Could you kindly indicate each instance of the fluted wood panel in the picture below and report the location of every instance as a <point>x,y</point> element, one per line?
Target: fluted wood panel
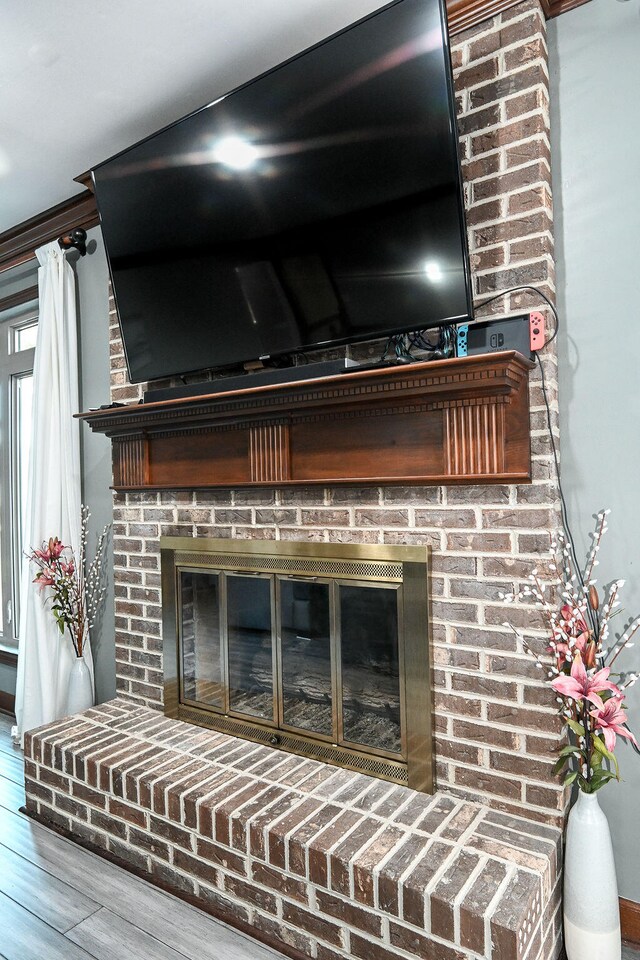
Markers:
<point>269,453</point>
<point>130,462</point>
<point>474,439</point>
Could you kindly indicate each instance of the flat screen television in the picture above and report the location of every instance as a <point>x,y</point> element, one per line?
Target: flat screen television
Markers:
<point>319,204</point>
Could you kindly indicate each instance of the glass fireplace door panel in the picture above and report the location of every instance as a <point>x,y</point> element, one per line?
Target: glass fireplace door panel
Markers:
<point>202,672</point>
<point>369,666</point>
<point>305,644</point>
<point>250,645</point>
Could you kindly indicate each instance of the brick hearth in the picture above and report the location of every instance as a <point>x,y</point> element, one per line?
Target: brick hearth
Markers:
<point>320,862</point>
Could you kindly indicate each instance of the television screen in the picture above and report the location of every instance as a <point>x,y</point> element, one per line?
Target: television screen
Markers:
<point>319,204</point>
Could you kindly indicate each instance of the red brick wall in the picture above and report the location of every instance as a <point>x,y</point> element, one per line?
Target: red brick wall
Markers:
<point>496,724</point>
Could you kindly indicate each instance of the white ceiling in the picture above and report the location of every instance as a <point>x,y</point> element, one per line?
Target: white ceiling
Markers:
<point>81,80</point>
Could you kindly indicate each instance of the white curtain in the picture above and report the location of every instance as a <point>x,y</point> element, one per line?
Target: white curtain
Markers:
<point>53,497</point>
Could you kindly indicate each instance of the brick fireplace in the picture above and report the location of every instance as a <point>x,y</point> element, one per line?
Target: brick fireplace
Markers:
<point>329,863</point>
<point>494,721</point>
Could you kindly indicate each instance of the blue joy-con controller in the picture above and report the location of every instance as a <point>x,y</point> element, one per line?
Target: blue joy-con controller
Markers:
<point>461,346</point>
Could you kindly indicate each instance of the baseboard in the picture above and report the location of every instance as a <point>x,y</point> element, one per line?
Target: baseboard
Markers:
<point>8,657</point>
<point>630,920</point>
<point>7,702</point>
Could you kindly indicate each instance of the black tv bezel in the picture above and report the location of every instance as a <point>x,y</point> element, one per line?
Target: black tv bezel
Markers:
<point>343,341</point>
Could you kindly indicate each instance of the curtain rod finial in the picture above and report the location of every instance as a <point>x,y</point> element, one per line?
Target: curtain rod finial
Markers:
<point>76,238</point>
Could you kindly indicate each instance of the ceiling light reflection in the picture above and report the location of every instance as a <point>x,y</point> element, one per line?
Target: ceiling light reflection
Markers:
<point>433,271</point>
<point>235,153</point>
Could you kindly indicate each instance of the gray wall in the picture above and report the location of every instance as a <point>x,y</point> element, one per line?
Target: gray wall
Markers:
<point>93,303</point>
<point>595,86</point>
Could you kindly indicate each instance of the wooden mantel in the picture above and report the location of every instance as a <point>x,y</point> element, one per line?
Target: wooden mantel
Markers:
<point>453,421</point>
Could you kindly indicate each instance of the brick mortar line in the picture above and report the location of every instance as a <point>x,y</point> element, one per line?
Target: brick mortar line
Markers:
<point>502,172</point>
<point>504,700</point>
<point>492,125</point>
<point>514,835</point>
<point>506,217</point>
<point>473,672</point>
<point>302,763</point>
<point>407,873</point>
<point>505,170</point>
<point>531,823</point>
<point>501,153</point>
<point>501,776</point>
<point>516,754</point>
<point>503,74</point>
<point>532,937</point>
<point>496,901</point>
<point>462,893</point>
<point>440,872</point>
<point>513,264</point>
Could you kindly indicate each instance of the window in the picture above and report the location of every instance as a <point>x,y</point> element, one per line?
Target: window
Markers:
<point>18,331</point>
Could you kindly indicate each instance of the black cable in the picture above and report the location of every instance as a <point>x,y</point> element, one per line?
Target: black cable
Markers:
<point>443,346</point>
<point>418,340</point>
<point>591,613</point>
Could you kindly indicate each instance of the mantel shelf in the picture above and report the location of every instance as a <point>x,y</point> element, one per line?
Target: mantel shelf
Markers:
<point>464,420</point>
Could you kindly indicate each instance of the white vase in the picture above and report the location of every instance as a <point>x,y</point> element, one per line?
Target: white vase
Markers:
<point>80,689</point>
<point>591,909</point>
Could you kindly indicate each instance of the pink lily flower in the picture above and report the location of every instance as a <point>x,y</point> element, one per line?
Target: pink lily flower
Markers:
<point>55,547</point>
<point>611,719</point>
<point>580,686</point>
<point>44,580</point>
<point>578,631</point>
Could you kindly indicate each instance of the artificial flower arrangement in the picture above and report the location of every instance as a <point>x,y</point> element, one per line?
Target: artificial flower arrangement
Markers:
<point>77,589</point>
<point>582,656</point>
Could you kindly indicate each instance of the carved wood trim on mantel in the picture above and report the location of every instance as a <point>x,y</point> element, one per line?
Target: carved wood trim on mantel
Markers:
<point>464,420</point>
<point>462,14</point>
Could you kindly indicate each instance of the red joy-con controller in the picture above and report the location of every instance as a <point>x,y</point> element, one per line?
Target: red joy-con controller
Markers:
<point>536,331</point>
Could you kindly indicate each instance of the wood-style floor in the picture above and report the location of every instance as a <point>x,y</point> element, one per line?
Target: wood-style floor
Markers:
<point>60,902</point>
